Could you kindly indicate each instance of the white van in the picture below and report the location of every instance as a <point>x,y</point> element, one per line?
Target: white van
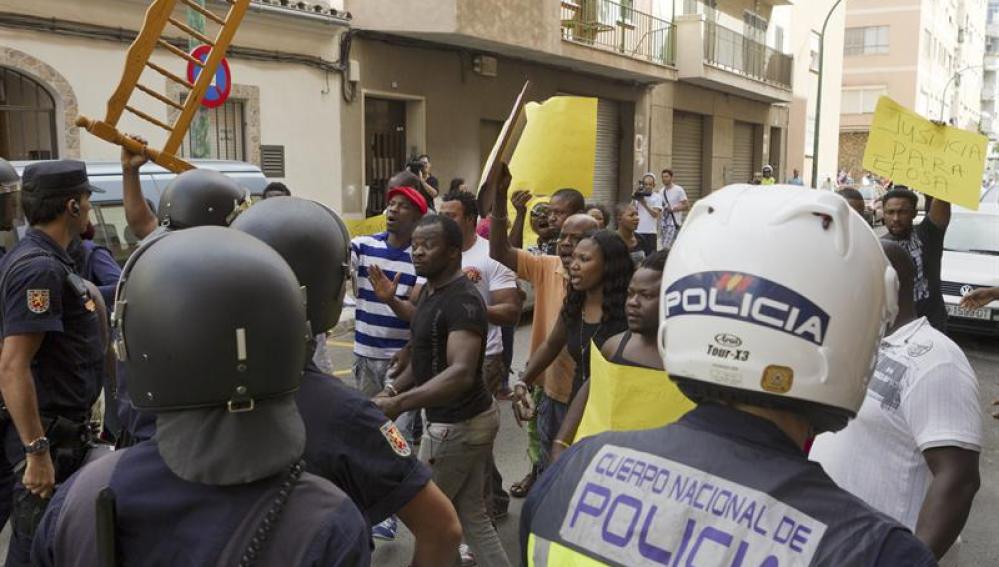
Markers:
<point>108,214</point>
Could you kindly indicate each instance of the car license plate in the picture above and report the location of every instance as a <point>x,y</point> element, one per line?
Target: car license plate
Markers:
<point>955,311</point>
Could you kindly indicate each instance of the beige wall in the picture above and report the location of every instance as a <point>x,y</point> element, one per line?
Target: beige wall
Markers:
<point>455,100</point>
<point>720,110</point>
<point>298,107</point>
<point>804,20</point>
<point>896,70</point>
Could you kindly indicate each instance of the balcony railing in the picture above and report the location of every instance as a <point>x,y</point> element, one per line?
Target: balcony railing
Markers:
<point>736,52</point>
<point>619,28</point>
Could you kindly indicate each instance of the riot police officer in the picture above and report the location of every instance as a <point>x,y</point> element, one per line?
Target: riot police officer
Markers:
<point>348,440</point>
<point>223,481</point>
<point>10,187</point>
<point>199,197</point>
<point>51,363</point>
<point>756,331</point>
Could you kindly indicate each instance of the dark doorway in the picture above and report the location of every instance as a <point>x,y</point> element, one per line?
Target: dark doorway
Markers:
<point>775,155</point>
<point>385,147</point>
<point>27,118</point>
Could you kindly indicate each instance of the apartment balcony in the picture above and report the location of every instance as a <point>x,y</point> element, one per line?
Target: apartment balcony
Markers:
<point>599,37</point>
<point>718,58</point>
<point>616,28</point>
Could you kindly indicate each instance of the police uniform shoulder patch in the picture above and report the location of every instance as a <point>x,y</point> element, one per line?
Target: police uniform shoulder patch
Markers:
<point>38,300</point>
<point>395,439</point>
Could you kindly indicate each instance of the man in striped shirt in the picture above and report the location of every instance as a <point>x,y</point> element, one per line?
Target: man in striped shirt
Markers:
<point>379,333</point>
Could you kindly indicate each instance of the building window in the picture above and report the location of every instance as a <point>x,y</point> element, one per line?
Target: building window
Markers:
<point>27,118</point>
<point>754,26</point>
<point>861,101</point>
<point>226,137</point>
<point>866,41</point>
<point>779,38</point>
<point>813,51</point>
<point>614,13</point>
<point>707,7</point>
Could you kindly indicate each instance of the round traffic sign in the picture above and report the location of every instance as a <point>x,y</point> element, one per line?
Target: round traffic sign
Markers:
<point>221,86</point>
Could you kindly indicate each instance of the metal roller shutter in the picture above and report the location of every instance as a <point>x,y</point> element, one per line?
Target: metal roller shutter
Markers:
<point>743,164</point>
<point>688,153</point>
<point>605,173</point>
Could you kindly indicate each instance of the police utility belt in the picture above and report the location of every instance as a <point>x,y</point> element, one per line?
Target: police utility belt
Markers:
<point>62,433</point>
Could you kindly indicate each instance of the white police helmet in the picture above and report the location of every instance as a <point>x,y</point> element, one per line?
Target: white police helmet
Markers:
<point>776,296</point>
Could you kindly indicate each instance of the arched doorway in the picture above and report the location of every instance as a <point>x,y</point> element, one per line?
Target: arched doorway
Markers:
<point>27,118</point>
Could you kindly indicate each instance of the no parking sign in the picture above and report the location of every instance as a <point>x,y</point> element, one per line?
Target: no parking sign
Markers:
<point>221,86</point>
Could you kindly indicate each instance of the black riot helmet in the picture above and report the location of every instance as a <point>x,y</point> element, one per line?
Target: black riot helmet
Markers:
<point>9,179</point>
<point>10,191</point>
<point>209,317</point>
<point>314,242</point>
<point>201,197</point>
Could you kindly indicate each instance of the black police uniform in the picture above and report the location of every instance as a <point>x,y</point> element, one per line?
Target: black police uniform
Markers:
<point>189,523</point>
<point>719,487</point>
<point>348,442</point>
<point>41,294</point>
<point>351,443</point>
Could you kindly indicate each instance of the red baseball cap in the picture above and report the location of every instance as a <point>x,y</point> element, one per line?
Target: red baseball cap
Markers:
<point>413,195</point>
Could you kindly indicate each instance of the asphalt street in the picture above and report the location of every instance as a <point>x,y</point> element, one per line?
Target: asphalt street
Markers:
<point>980,547</point>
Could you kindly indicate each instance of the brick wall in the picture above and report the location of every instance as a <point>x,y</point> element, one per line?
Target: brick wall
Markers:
<point>851,152</point>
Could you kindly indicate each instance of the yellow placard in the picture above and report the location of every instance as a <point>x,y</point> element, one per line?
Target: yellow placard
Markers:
<point>361,227</point>
<point>626,398</point>
<point>941,161</point>
<point>557,147</point>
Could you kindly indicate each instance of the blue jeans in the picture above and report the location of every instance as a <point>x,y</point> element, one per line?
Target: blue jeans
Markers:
<point>369,378</point>
<point>551,414</point>
<point>369,374</point>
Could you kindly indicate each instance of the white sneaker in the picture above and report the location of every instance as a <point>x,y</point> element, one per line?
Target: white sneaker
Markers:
<point>467,557</point>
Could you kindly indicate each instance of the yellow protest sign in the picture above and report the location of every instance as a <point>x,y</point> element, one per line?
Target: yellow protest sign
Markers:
<point>557,147</point>
<point>361,227</point>
<point>626,398</point>
<point>938,160</point>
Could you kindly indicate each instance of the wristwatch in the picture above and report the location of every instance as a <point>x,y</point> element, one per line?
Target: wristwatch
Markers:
<point>39,445</point>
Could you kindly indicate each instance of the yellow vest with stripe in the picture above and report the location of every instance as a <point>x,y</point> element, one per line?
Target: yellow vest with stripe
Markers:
<point>626,398</point>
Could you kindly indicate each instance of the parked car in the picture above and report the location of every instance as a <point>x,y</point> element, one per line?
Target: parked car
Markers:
<point>872,201</point>
<point>990,195</point>
<point>108,213</point>
<point>970,261</point>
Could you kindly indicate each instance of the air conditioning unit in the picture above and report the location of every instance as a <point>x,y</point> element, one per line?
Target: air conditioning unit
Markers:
<point>485,65</point>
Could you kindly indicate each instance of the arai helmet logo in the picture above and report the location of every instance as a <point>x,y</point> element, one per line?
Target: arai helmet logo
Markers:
<point>727,340</point>
<point>748,298</point>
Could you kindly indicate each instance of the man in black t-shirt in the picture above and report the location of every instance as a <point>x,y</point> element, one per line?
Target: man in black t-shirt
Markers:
<point>924,242</point>
<point>445,378</point>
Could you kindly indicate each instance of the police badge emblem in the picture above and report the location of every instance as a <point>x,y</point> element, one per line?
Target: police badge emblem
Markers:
<point>777,379</point>
<point>38,300</point>
<point>395,439</point>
